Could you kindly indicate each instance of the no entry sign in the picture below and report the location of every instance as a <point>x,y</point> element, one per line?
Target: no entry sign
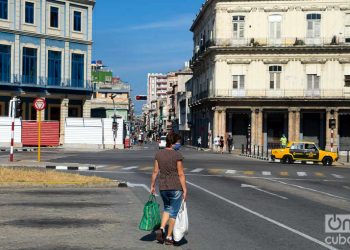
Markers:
<point>39,104</point>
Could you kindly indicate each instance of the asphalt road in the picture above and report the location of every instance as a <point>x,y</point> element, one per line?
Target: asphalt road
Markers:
<point>238,203</point>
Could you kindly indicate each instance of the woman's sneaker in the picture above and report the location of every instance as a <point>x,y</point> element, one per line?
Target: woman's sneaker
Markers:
<point>160,235</point>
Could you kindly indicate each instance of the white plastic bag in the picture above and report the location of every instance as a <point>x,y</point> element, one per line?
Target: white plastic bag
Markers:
<point>181,223</point>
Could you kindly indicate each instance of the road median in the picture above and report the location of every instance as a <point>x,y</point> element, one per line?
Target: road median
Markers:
<point>33,177</point>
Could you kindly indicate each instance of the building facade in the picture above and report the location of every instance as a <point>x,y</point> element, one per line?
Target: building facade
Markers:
<point>267,68</point>
<point>45,51</point>
<point>111,95</point>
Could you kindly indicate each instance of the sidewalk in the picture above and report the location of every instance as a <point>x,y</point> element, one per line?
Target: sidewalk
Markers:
<point>63,218</point>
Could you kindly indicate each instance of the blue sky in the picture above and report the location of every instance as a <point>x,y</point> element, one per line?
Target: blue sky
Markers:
<point>143,36</point>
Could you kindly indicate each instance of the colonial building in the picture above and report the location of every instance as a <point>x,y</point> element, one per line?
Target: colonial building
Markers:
<point>111,95</point>
<point>45,51</point>
<point>267,68</point>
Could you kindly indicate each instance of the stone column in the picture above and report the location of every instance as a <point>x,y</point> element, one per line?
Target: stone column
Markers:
<point>260,134</point>
<point>332,114</point>
<point>257,134</point>
<point>297,125</point>
<point>230,125</point>
<point>87,109</point>
<point>293,124</point>
<point>253,127</point>
<point>223,127</point>
<point>64,115</point>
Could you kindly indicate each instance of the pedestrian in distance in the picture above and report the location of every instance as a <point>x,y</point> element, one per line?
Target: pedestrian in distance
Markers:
<point>222,142</point>
<point>283,141</point>
<point>168,168</point>
<point>229,143</point>
<point>217,143</point>
<point>199,143</point>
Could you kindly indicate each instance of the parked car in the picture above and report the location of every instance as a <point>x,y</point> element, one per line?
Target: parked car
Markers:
<point>303,151</point>
<point>162,142</point>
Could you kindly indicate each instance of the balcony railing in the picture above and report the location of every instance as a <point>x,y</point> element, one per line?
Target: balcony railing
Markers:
<point>33,81</point>
<point>275,94</point>
<point>270,42</point>
<point>281,42</point>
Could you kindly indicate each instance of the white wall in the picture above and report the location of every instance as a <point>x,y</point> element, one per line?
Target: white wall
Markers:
<point>92,131</point>
<point>5,131</point>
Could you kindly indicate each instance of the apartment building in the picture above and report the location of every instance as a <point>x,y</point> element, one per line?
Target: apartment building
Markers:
<point>266,68</point>
<point>45,51</point>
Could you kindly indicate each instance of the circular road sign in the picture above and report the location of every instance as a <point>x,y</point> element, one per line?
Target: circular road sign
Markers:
<point>39,104</point>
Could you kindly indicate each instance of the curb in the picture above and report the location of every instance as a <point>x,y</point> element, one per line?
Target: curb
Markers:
<point>60,167</point>
<point>263,158</point>
<point>18,149</point>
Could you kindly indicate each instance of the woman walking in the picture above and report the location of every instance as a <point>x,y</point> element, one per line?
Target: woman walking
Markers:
<point>222,144</point>
<point>172,185</point>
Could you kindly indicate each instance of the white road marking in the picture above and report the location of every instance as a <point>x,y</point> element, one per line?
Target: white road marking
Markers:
<point>261,190</point>
<point>231,172</point>
<point>264,217</point>
<point>310,162</point>
<point>346,187</point>
<point>310,189</point>
<point>266,173</point>
<point>338,176</point>
<point>101,166</point>
<point>301,173</point>
<point>61,168</point>
<point>144,186</point>
<point>83,168</point>
<point>129,168</point>
<point>197,170</point>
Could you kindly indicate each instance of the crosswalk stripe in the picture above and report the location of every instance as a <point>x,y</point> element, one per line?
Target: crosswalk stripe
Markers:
<point>231,171</point>
<point>146,168</point>
<point>129,168</point>
<point>338,176</point>
<point>301,174</point>
<point>248,172</point>
<point>266,173</point>
<point>284,173</point>
<point>310,162</point>
<point>215,171</point>
<point>197,170</point>
<point>319,174</point>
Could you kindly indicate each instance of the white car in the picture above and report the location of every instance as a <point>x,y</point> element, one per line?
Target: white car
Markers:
<point>162,142</point>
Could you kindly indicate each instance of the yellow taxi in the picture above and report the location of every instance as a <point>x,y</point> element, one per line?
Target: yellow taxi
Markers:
<point>303,151</point>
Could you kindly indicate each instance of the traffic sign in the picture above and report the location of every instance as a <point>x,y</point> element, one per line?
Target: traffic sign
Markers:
<point>39,104</point>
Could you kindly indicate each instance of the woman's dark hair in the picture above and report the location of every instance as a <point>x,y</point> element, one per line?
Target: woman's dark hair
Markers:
<point>171,139</point>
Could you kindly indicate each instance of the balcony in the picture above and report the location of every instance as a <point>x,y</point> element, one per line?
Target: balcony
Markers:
<point>44,82</point>
<point>266,42</point>
<point>279,94</point>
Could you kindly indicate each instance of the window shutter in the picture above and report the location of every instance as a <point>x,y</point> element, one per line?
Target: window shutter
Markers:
<point>242,82</point>
<point>241,30</point>
<point>309,81</point>
<point>310,28</point>
<point>317,82</point>
<point>317,26</point>
<point>278,30</point>
<point>235,82</point>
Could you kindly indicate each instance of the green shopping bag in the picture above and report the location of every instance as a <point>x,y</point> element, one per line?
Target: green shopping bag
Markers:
<point>151,215</point>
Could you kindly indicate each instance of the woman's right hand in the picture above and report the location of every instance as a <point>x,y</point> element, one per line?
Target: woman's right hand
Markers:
<point>153,190</point>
